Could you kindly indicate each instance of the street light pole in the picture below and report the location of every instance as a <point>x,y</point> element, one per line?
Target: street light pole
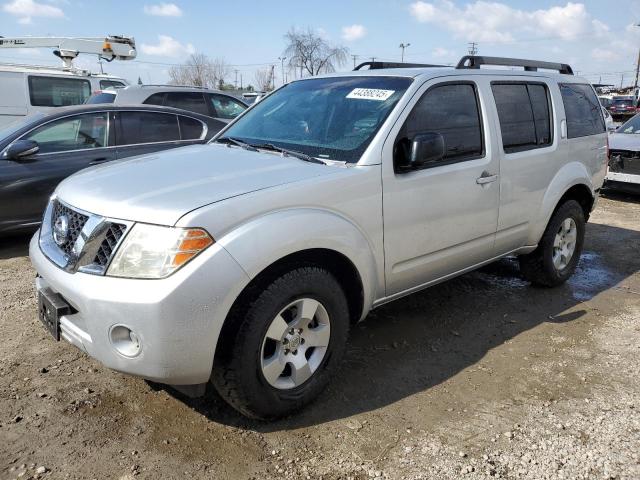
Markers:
<point>403,46</point>
<point>282,59</point>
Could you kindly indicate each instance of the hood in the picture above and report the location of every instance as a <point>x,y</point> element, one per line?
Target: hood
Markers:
<point>162,187</point>
<point>624,141</point>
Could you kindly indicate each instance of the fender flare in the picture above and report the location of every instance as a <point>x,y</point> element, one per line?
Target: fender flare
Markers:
<point>570,175</point>
<point>262,241</point>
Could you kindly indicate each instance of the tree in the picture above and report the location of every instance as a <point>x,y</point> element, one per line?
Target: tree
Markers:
<point>263,79</point>
<point>310,52</point>
<point>200,71</point>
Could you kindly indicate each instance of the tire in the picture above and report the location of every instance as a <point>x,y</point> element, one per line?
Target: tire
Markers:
<point>244,373</point>
<point>541,267</point>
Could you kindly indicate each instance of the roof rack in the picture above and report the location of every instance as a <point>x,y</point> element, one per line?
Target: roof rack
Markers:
<point>380,65</point>
<point>471,61</point>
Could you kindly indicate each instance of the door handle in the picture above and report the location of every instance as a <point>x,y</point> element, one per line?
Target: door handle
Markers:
<point>485,178</point>
<point>98,161</point>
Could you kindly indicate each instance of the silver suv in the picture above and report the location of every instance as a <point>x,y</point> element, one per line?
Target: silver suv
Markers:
<point>245,261</point>
<point>213,103</point>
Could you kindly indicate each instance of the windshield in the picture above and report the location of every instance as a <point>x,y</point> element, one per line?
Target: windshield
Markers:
<point>101,98</point>
<point>16,125</point>
<point>328,118</point>
<point>632,126</point>
<point>621,102</point>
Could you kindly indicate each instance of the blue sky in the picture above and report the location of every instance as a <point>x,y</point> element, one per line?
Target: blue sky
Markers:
<point>597,40</point>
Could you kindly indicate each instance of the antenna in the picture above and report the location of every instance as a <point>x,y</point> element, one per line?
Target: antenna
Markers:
<point>473,49</point>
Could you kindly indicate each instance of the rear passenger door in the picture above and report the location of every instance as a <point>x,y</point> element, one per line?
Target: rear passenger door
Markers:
<point>142,132</point>
<point>440,219</point>
<point>530,151</point>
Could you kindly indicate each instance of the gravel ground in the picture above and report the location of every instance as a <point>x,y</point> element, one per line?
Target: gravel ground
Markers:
<point>483,376</point>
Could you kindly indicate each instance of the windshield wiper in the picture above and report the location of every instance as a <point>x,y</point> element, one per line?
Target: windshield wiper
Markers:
<point>237,142</point>
<point>291,153</point>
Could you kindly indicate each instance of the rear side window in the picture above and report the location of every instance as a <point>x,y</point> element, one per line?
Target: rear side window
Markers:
<point>190,128</point>
<point>147,127</point>
<point>582,108</point>
<point>58,91</point>
<point>155,99</point>
<point>191,101</point>
<point>104,84</point>
<point>452,111</point>
<point>524,114</point>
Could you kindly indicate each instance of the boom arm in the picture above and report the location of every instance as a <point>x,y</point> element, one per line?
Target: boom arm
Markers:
<point>107,48</point>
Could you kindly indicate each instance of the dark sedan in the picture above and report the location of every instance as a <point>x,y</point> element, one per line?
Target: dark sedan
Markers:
<point>44,149</point>
<point>622,108</point>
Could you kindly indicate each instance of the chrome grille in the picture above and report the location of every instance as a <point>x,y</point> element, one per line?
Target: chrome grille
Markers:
<point>76,223</point>
<point>107,247</point>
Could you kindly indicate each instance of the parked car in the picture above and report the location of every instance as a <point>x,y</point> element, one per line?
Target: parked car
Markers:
<point>213,103</point>
<point>245,261</point>
<point>30,89</point>
<point>38,153</point>
<point>624,157</point>
<point>621,108</point>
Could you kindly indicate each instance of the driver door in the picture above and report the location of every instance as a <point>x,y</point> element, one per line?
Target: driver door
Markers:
<point>67,145</point>
<point>442,218</point>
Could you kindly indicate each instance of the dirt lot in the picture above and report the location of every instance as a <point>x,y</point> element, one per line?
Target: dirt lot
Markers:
<point>483,376</point>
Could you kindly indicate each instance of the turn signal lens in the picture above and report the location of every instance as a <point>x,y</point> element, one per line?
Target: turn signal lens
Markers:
<point>153,251</point>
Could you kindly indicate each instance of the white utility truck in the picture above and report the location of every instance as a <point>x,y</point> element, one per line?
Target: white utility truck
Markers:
<point>27,89</point>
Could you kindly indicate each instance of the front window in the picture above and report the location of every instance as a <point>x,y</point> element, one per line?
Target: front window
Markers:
<point>58,91</point>
<point>328,118</point>
<point>79,132</point>
<point>632,126</point>
<point>226,107</point>
<point>104,84</point>
<point>101,98</point>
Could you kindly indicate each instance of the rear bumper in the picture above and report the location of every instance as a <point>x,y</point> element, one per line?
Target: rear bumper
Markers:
<point>177,319</point>
<point>623,177</point>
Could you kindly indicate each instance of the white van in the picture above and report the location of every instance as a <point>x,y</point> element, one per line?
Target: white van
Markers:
<point>26,89</point>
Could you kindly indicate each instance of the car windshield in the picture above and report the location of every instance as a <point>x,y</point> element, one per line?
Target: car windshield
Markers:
<point>327,118</point>
<point>16,125</point>
<point>632,126</point>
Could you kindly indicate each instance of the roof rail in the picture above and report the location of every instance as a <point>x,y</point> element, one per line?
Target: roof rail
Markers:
<point>380,65</point>
<point>175,86</point>
<point>471,61</point>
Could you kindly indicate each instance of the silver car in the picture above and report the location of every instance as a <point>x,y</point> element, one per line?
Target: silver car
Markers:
<point>246,261</point>
<point>213,103</point>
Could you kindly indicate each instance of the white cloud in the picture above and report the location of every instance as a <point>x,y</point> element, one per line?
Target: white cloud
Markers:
<point>353,32</point>
<point>605,54</point>
<point>25,10</point>
<point>494,22</point>
<point>163,10</point>
<point>167,47</point>
<point>440,52</point>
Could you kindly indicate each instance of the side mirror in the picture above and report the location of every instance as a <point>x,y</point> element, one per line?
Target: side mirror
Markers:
<point>423,149</point>
<point>21,149</point>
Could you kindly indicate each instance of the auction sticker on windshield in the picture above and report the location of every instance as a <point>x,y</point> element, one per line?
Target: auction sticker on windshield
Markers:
<point>370,94</point>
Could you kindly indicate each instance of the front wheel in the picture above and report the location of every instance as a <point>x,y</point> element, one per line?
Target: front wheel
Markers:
<point>557,255</point>
<point>285,343</point>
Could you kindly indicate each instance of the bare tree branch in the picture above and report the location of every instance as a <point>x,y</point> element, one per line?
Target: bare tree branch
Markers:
<point>200,71</point>
<point>309,51</point>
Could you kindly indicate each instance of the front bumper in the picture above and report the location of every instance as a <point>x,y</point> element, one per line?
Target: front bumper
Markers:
<point>177,319</point>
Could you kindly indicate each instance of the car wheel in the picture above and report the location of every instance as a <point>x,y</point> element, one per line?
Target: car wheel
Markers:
<point>284,343</point>
<point>557,255</point>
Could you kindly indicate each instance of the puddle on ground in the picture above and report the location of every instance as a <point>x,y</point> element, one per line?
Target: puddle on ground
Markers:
<point>591,277</point>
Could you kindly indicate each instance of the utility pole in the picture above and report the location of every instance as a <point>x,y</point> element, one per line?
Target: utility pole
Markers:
<point>473,49</point>
<point>355,57</point>
<point>282,59</point>
<point>273,78</point>
<point>621,80</point>
<point>635,85</point>
<point>373,59</point>
<point>241,87</point>
<point>236,81</point>
<point>403,46</point>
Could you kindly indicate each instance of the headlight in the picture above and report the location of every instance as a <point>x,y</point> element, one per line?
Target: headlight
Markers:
<point>152,251</point>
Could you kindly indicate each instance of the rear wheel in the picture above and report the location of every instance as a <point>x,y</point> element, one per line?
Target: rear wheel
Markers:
<point>557,255</point>
<point>285,342</point>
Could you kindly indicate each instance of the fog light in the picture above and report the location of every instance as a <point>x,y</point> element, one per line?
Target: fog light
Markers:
<point>125,341</point>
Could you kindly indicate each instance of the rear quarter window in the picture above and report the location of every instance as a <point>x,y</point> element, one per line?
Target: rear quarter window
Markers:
<point>582,109</point>
<point>58,91</point>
